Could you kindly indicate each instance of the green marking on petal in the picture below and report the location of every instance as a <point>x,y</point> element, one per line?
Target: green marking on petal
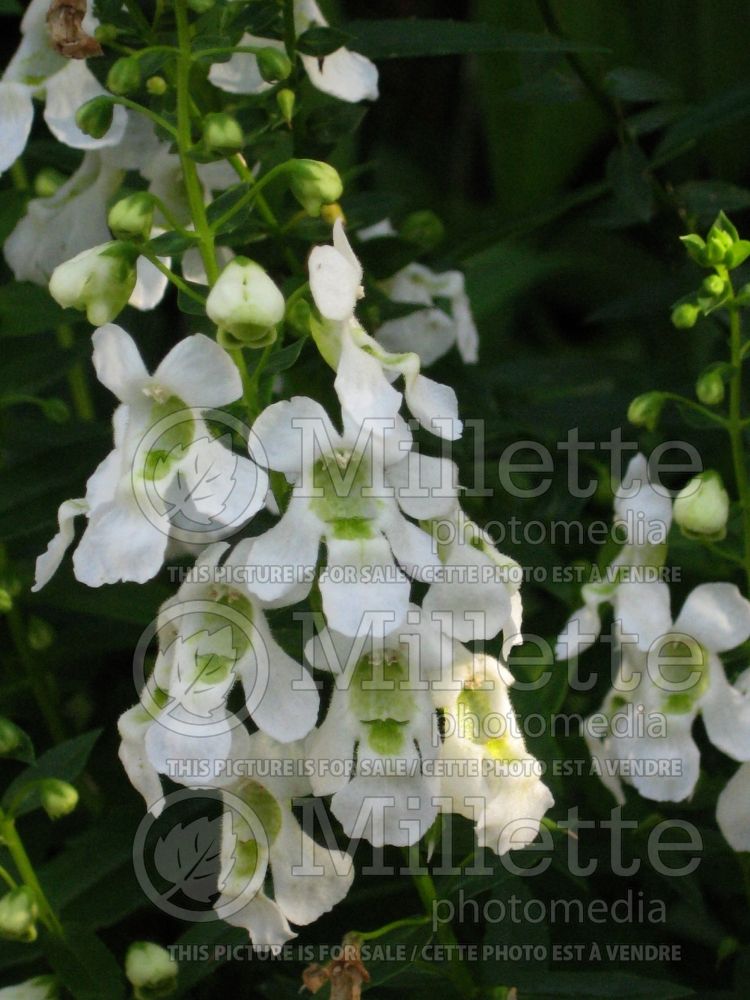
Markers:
<point>386,736</point>
<point>341,480</point>
<point>380,691</point>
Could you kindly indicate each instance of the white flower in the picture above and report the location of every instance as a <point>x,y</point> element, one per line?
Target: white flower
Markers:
<point>336,286</point>
<point>246,302</point>
<point>261,836</point>
<point>733,810</point>
<point>36,69</point>
<point>98,281</point>
<point>488,774</point>
<point>38,988</point>
<point>430,331</point>
<point>351,490</point>
<point>643,515</point>
<point>478,591</point>
<point>658,693</point>
<point>167,475</point>
<point>381,716</point>
<point>343,74</point>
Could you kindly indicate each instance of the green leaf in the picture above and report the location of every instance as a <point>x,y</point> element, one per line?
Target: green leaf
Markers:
<point>27,309</point>
<point>627,173</point>
<point>86,966</point>
<point>284,359</point>
<point>10,8</point>
<point>171,244</point>
<point>406,38</point>
<point>189,305</point>
<point>543,984</point>
<point>629,84</point>
<point>65,761</point>
<point>703,199</point>
<point>319,41</point>
<point>726,109</point>
<point>24,752</point>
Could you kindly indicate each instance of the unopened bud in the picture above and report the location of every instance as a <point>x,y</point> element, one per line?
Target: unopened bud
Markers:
<point>710,387</point>
<point>150,970</point>
<point>701,508</point>
<point>423,229</point>
<point>98,281</point>
<point>645,410</point>
<point>95,116</point>
<point>131,218</point>
<point>40,635</point>
<point>58,798</point>
<point>299,316</point>
<point>718,245</point>
<point>18,914</point>
<point>273,64</point>
<point>246,303</point>
<point>156,85</point>
<point>331,213</point>
<point>714,285</point>
<point>11,736</point>
<point>106,33</point>
<point>314,184</point>
<point>222,133</point>
<point>285,100</point>
<point>47,181</point>
<point>124,76</point>
<point>685,315</point>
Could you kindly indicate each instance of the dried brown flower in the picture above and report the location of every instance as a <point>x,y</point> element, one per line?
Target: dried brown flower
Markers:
<point>64,19</point>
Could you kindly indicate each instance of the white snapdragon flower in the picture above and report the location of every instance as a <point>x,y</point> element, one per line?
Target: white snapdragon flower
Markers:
<point>36,70</point>
<point>356,491</point>
<point>643,512</point>
<point>733,810</point>
<point>430,331</point>
<point>376,749</point>
<point>38,988</point>
<point>478,591</point>
<point>261,836</point>
<point>659,693</point>
<point>336,286</point>
<point>492,778</point>
<point>166,471</point>
<point>343,74</point>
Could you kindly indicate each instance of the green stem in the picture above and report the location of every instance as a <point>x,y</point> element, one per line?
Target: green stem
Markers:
<point>143,110</point>
<point>715,418</point>
<point>78,382</point>
<point>393,926</point>
<point>6,876</point>
<point>17,851</point>
<point>735,431</point>
<point>175,279</point>
<point>37,679</point>
<point>290,30</point>
<point>253,193</point>
<point>456,969</point>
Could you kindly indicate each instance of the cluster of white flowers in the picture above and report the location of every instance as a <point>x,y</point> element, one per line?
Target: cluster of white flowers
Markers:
<point>669,671</point>
<point>417,724</point>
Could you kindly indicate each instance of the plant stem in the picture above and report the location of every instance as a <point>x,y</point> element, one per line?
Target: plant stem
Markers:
<point>393,926</point>
<point>734,428</point>
<point>78,383</point>
<point>456,969</point>
<point>37,679</point>
<point>175,279</point>
<point>17,851</point>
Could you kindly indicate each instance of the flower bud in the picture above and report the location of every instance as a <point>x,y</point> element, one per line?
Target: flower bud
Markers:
<point>273,64</point>
<point>645,410</point>
<point>47,181</point>
<point>423,229</point>
<point>685,315</point>
<point>95,116</point>
<point>222,134</point>
<point>156,85</point>
<point>314,184</point>
<point>11,736</point>
<point>40,635</point>
<point>18,914</point>
<point>299,317</point>
<point>106,33</point>
<point>124,76</point>
<point>98,281</point>
<point>131,218</point>
<point>702,507</point>
<point>246,303</point>
<point>6,601</point>
<point>58,798</point>
<point>38,988</point>
<point>150,970</point>
<point>714,285</point>
<point>285,100</point>
<point>710,387</point>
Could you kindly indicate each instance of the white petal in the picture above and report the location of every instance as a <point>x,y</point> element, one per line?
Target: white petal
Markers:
<point>240,75</point>
<point>413,547</point>
<point>333,740</point>
<point>427,332</point>
<point>397,810</point>
<point>291,435</point>
<point>717,615</point>
<point>467,337</point>
<point>426,487</point>
<point>16,118</point>
<point>733,810</point>
<point>434,405</point>
<point>67,90</point>
<point>579,632</point>
<point>286,555</point>
<point>363,390</point>
<point>133,726</point>
<point>118,363</point>
<point>200,373</point>
<point>644,508</point>
<point>511,820</point>
<point>675,754</point>
<point>334,283</point>
<point>474,597</point>
<point>261,917</point>
<point>643,608</point>
<point>120,543</point>
<point>189,752</point>
<point>362,580</point>
<point>347,75</point>
<point>726,713</point>
<point>150,286</point>
<point>49,561</point>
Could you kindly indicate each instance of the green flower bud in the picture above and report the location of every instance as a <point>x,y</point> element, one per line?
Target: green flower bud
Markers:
<point>423,229</point>
<point>124,76</point>
<point>314,184</point>
<point>58,798</point>
<point>701,508</point>
<point>714,285</point>
<point>710,387</point>
<point>246,303</point>
<point>98,281</point>
<point>10,736</point>
<point>222,133</point>
<point>95,116</point>
<point>645,410</point>
<point>131,218</point>
<point>47,181</point>
<point>18,914</point>
<point>156,85</point>
<point>106,33</point>
<point>6,601</point>
<point>40,635</point>
<point>685,315</point>
<point>718,245</point>
<point>285,100</point>
<point>273,64</point>
<point>150,970</point>
<point>299,316</point>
